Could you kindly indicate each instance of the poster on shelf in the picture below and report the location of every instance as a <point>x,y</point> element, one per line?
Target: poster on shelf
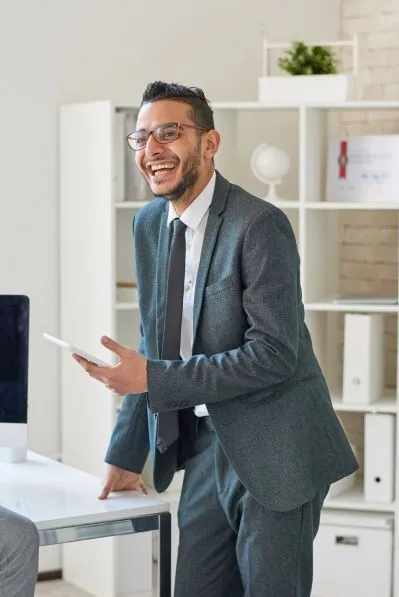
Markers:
<point>363,169</point>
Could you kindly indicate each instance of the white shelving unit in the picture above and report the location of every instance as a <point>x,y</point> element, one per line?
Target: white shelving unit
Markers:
<point>98,191</point>
<point>95,252</point>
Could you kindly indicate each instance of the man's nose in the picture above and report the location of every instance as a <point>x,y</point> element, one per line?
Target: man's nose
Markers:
<point>153,147</point>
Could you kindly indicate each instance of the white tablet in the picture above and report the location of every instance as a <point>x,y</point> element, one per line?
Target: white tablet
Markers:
<point>76,350</point>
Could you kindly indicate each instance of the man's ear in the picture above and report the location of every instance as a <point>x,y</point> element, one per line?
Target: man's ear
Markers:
<point>211,145</point>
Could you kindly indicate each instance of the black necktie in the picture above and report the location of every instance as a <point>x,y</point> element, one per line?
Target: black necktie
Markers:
<point>168,428</point>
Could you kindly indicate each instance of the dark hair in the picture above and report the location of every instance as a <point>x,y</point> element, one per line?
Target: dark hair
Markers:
<point>201,111</point>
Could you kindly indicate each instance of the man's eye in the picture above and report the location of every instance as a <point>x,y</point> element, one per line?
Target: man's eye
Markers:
<point>140,138</point>
<point>168,133</point>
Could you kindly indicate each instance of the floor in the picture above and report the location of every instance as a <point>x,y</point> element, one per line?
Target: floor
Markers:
<point>58,588</point>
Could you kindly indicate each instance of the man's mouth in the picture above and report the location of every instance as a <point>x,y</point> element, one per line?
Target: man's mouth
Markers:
<point>160,169</point>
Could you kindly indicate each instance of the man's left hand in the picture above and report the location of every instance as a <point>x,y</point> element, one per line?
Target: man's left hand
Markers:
<point>129,376</point>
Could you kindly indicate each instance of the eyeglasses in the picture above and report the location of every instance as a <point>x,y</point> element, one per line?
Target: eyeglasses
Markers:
<point>165,133</point>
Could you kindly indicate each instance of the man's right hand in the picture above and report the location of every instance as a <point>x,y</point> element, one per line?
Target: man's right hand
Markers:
<point>120,480</point>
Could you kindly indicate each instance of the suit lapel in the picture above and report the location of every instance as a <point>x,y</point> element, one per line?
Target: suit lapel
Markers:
<point>214,222</point>
<point>161,277</point>
<point>211,234</point>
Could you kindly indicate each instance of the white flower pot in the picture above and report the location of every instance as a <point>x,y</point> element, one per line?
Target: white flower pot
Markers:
<point>304,88</point>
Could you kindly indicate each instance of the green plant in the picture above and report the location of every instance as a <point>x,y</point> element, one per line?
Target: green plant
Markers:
<point>301,59</point>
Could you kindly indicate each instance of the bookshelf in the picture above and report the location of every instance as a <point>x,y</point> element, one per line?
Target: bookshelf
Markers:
<point>99,194</point>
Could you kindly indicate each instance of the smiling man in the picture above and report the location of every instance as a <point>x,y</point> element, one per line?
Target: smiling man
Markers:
<point>225,383</point>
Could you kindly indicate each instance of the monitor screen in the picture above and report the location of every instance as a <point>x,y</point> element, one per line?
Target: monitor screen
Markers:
<point>14,351</point>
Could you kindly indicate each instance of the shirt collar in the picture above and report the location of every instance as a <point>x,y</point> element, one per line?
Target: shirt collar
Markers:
<point>194,213</point>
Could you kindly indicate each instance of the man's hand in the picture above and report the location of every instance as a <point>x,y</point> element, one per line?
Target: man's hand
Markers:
<point>129,376</point>
<point>121,480</point>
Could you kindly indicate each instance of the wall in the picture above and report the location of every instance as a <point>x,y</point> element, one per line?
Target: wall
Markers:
<point>53,52</point>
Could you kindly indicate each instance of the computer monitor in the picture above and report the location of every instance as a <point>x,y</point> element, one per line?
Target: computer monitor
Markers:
<point>14,353</point>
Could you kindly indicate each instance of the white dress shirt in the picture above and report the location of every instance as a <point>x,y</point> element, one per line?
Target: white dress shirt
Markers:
<point>195,216</point>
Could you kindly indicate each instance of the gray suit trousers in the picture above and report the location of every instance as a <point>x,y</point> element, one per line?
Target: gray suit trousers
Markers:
<point>232,546</point>
<point>19,552</point>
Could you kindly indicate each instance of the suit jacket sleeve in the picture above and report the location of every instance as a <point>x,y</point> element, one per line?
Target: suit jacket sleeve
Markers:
<point>129,445</point>
<point>271,300</point>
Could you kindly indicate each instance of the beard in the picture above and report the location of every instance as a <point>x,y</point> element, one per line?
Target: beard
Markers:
<point>191,172</point>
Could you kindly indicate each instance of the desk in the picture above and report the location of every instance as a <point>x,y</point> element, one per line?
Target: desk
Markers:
<point>63,503</point>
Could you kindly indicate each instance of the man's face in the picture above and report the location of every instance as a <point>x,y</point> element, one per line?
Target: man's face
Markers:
<point>174,168</point>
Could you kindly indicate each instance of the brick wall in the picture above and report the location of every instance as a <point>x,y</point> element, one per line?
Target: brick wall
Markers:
<point>369,241</point>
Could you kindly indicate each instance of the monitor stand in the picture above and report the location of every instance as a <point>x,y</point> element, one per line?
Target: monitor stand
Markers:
<point>13,442</point>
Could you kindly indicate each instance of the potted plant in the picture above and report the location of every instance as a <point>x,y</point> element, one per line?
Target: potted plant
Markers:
<point>312,76</point>
<point>301,59</point>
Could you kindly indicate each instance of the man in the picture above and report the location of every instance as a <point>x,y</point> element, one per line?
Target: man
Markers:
<point>241,404</point>
<point>19,552</point>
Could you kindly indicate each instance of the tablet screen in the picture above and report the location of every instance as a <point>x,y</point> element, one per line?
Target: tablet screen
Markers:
<point>14,352</point>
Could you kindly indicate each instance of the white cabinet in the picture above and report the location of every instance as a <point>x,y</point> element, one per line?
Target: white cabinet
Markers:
<point>100,191</point>
<point>353,555</point>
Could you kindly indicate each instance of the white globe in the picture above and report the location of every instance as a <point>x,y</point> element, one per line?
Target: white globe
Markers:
<point>269,164</point>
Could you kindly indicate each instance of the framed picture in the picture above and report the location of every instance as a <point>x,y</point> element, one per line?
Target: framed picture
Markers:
<point>363,169</point>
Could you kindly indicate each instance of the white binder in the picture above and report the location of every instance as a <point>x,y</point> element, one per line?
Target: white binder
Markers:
<point>363,358</point>
<point>379,457</point>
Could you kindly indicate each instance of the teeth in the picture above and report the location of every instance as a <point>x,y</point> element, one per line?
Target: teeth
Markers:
<point>156,167</point>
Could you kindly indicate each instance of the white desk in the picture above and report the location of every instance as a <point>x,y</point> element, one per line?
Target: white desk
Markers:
<point>63,503</point>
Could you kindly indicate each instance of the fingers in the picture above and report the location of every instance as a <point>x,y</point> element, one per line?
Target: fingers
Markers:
<point>142,488</point>
<point>100,373</point>
<point>112,389</point>
<point>82,362</point>
<point>105,492</point>
<point>117,348</point>
<point>139,486</point>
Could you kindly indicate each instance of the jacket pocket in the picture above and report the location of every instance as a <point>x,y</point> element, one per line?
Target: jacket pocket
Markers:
<point>258,400</point>
<point>220,286</point>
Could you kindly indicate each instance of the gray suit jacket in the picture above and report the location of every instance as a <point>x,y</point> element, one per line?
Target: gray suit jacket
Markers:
<point>253,364</point>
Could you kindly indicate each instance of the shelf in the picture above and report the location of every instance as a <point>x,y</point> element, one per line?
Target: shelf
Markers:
<point>348,105</point>
<point>127,306</point>
<point>131,204</point>
<point>353,499</point>
<point>256,105</point>
<point>330,305</point>
<point>285,204</point>
<point>295,204</point>
<point>386,404</point>
<point>253,106</point>
<point>351,205</point>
